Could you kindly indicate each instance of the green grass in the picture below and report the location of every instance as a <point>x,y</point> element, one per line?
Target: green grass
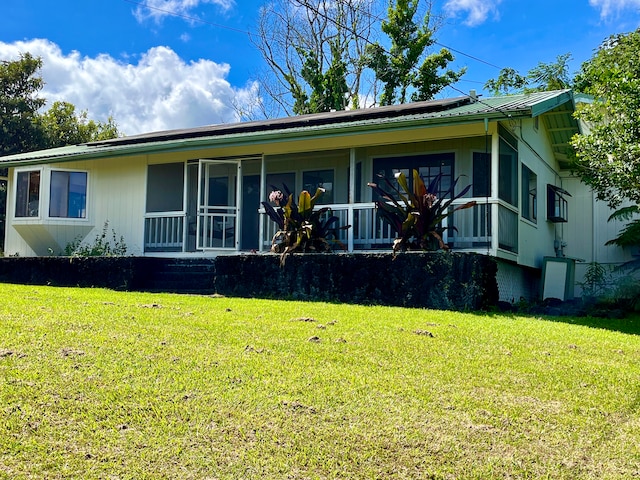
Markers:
<point>101,384</point>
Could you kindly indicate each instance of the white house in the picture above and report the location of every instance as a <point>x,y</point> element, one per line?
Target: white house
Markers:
<point>197,192</point>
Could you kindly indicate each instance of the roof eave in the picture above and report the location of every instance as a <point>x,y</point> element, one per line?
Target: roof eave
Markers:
<point>270,136</point>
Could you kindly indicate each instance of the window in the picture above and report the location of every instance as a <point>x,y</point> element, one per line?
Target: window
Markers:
<point>68,194</point>
<point>319,178</point>
<point>529,194</point>
<point>557,210</point>
<point>28,194</point>
<point>428,166</point>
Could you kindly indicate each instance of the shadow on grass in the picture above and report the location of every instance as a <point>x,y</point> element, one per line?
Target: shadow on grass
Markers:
<point>629,324</point>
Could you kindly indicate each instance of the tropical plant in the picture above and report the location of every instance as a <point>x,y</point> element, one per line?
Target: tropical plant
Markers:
<point>301,228</point>
<point>416,213</point>
<point>629,236</point>
<point>596,281</point>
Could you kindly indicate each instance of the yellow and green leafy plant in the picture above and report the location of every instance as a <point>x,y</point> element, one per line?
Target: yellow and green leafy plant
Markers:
<point>416,213</point>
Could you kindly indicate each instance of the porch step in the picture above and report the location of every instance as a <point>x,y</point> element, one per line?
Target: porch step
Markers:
<point>180,275</point>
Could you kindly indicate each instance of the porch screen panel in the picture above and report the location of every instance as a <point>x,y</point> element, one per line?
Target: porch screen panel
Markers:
<point>508,174</point>
<point>311,180</point>
<point>165,187</point>
<point>481,174</point>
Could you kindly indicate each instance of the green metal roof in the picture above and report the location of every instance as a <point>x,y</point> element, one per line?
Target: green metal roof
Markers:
<point>559,105</point>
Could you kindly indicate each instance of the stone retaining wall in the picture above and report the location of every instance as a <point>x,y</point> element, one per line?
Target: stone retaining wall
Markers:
<point>444,280</point>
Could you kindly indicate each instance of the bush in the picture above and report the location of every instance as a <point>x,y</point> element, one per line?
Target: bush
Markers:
<point>101,247</point>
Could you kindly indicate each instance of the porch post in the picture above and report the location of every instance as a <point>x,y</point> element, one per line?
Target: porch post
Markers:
<point>495,178</point>
<point>352,198</point>
<point>238,205</point>
<point>263,195</point>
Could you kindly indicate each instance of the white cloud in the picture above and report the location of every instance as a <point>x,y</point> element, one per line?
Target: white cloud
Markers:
<point>159,92</point>
<point>611,7</point>
<point>158,9</point>
<point>477,11</point>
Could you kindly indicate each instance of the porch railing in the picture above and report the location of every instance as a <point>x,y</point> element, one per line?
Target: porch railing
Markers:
<point>369,231</point>
<point>216,228</point>
<point>164,232</point>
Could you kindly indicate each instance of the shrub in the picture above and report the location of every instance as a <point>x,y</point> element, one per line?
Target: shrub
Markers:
<point>416,214</point>
<point>101,247</point>
<point>301,228</point>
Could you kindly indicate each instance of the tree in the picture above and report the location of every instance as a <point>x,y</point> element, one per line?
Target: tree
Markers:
<point>61,126</point>
<point>23,128</point>
<point>20,130</point>
<point>607,157</point>
<point>550,76</point>
<point>542,78</point>
<point>508,81</point>
<point>404,68</point>
<point>313,51</point>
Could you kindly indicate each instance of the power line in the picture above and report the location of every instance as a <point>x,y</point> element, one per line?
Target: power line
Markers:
<point>247,32</point>
<point>318,12</point>
<point>187,17</point>
<point>467,55</point>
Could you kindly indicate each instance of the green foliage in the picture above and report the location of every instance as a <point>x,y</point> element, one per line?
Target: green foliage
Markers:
<point>550,76</point>
<point>542,78</point>
<point>62,126</point>
<point>24,129</point>
<point>405,67</point>
<point>629,236</point>
<point>416,213</point>
<point>19,104</point>
<point>608,156</point>
<point>328,89</point>
<point>596,281</point>
<point>313,53</point>
<point>101,246</point>
<point>302,228</point>
<point>507,81</point>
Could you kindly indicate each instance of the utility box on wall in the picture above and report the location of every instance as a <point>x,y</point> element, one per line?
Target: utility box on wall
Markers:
<point>558,277</point>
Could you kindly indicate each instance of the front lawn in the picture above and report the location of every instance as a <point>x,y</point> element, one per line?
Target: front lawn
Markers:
<point>110,385</point>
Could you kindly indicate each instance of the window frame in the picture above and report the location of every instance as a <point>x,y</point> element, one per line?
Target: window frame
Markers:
<point>44,200</point>
<point>14,194</point>
<point>50,192</point>
<point>529,201</point>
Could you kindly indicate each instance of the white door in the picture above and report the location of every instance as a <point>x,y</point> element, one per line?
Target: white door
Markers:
<point>219,204</point>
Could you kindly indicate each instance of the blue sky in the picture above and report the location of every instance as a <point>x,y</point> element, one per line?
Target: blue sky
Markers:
<point>153,70</point>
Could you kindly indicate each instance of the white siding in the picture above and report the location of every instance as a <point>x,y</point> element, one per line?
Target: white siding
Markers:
<point>115,194</point>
